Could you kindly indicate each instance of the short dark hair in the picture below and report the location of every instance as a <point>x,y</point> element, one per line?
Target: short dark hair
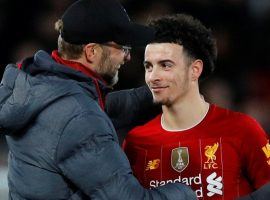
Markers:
<point>197,40</point>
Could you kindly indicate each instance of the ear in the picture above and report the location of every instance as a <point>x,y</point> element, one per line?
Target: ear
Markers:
<point>197,68</point>
<point>91,52</point>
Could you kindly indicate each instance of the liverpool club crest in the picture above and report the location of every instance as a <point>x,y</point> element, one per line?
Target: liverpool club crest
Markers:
<point>180,158</point>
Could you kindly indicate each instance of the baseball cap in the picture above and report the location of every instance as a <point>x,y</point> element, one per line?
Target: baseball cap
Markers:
<point>100,21</point>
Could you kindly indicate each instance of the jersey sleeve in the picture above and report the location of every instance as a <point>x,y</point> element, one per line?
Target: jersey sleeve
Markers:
<point>255,153</point>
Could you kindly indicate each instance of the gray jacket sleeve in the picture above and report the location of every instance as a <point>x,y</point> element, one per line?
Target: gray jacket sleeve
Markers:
<point>263,193</point>
<point>89,156</point>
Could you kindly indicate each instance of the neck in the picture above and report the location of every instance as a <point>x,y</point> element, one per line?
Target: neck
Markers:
<point>84,63</point>
<point>77,64</point>
<point>185,114</point>
<point>82,60</point>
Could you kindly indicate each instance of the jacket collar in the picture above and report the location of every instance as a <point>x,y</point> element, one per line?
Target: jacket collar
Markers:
<point>77,66</point>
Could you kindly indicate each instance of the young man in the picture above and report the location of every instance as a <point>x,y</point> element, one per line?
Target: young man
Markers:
<point>221,154</point>
<point>62,144</point>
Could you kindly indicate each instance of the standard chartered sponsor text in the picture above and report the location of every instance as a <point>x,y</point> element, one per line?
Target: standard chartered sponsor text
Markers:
<point>196,180</point>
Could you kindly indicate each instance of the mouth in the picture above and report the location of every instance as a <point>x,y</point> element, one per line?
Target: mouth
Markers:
<point>158,88</point>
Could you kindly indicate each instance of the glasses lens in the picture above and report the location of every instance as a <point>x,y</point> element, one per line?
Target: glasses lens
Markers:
<point>126,49</point>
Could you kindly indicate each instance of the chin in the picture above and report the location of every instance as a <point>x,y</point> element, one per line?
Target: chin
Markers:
<point>113,81</point>
<point>157,97</point>
<point>161,101</point>
<point>158,100</point>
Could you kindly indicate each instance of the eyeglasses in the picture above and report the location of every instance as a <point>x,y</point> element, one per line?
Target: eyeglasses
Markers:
<point>125,49</point>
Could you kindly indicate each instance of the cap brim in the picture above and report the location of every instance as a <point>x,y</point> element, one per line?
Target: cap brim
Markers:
<point>136,35</point>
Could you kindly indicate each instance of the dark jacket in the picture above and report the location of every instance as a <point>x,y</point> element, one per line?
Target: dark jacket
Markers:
<point>130,108</point>
<point>62,145</point>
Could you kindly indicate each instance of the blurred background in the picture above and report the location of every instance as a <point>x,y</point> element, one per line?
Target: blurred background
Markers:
<point>242,28</point>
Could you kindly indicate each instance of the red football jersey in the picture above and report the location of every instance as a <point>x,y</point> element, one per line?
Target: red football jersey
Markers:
<point>225,156</point>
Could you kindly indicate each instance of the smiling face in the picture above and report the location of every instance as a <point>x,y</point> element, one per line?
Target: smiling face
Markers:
<point>168,73</point>
<point>110,62</point>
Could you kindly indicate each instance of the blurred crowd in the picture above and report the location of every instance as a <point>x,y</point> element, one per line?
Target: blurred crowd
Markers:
<point>242,75</point>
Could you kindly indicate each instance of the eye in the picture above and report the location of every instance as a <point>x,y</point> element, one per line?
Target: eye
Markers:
<point>148,67</point>
<point>166,65</point>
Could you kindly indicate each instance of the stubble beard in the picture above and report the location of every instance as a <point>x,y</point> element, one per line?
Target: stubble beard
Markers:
<point>163,102</point>
<point>169,99</point>
<point>107,70</point>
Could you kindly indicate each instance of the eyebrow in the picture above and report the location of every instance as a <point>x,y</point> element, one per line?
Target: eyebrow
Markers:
<point>161,61</point>
<point>146,62</point>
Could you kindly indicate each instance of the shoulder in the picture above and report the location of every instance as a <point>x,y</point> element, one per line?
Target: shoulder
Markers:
<point>147,129</point>
<point>217,112</point>
<point>240,122</point>
<point>84,120</point>
<point>85,130</point>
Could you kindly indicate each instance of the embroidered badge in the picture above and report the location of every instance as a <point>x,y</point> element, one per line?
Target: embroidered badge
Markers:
<point>152,164</point>
<point>179,158</point>
<point>266,150</point>
<point>210,152</point>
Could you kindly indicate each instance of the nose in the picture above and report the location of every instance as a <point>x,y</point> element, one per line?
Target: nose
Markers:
<point>127,57</point>
<point>152,75</point>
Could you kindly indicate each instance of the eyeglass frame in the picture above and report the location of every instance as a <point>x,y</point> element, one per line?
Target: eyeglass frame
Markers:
<point>126,49</point>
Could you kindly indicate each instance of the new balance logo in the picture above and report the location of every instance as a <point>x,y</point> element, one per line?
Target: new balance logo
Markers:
<point>152,164</point>
<point>214,184</point>
<point>266,150</point>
